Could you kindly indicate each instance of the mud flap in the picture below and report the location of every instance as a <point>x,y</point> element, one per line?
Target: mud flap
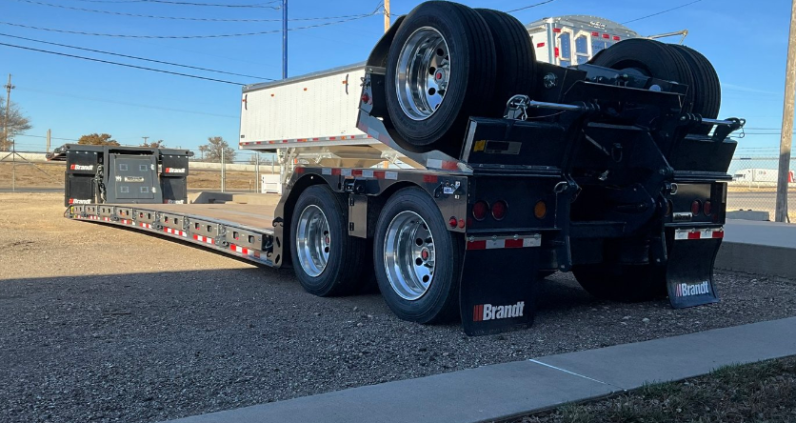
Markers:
<point>689,272</point>
<point>498,285</point>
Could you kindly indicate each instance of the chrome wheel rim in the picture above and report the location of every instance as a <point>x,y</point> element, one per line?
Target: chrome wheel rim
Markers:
<point>423,73</point>
<point>313,240</point>
<point>409,255</point>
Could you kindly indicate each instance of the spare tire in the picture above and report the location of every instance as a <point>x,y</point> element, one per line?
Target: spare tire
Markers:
<point>707,88</point>
<point>515,59</point>
<point>649,58</point>
<point>440,71</point>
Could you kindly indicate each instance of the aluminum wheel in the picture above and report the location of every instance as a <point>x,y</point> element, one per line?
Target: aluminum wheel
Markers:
<point>313,240</point>
<point>423,73</point>
<point>409,255</point>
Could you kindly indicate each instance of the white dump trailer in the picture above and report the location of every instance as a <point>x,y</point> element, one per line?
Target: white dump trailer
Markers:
<point>310,119</point>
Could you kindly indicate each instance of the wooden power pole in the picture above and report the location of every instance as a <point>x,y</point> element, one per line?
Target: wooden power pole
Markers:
<point>386,15</point>
<point>7,121</point>
<point>49,139</point>
<point>787,122</point>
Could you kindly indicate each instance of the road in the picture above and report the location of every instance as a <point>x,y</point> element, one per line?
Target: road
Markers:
<point>761,201</point>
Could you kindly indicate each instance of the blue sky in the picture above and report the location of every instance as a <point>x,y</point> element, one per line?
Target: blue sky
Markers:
<point>746,41</point>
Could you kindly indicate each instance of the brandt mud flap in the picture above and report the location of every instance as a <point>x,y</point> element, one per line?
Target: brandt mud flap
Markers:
<point>689,273</point>
<point>498,284</point>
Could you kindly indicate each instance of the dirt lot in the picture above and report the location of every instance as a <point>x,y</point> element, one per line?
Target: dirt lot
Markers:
<point>104,324</point>
<point>51,175</point>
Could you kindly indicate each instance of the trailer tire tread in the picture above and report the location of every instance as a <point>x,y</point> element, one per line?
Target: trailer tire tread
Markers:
<point>348,265</point>
<point>514,57</point>
<point>707,87</point>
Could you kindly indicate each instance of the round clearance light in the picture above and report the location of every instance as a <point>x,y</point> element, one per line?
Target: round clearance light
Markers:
<point>540,210</point>
<point>480,210</point>
<point>499,210</point>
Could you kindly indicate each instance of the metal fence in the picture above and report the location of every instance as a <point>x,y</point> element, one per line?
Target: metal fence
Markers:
<point>30,170</point>
<point>753,188</point>
<point>754,185</point>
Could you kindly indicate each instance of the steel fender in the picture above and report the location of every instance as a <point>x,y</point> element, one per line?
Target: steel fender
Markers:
<point>378,56</point>
<point>498,289</point>
<point>689,272</point>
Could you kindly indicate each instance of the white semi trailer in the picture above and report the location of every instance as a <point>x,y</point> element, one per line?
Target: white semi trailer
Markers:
<point>310,119</point>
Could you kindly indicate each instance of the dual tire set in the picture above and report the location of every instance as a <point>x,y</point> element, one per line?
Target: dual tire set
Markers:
<point>448,62</point>
<point>415,258</point>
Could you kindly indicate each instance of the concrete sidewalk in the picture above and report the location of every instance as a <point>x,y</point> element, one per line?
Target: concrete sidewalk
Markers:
<point>765,248</point>
<point>511,389</point>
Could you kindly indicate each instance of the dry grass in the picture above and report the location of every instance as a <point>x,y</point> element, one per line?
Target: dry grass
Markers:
<point>762,392</point>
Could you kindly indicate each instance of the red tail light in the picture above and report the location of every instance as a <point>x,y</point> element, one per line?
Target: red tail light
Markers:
<point>696,206</point>
<point>499,210</point>
<point>707,208</point>
<point>480,210</point>
<point>453,222</point>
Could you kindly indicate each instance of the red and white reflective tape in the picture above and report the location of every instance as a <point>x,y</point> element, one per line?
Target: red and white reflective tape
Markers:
<point>145,225</point>
<point>204,239</point>
<point>303,140</point>
<point>174,232</point>
<point>126,222</point>
<point>496,243</point>
<point>361,173</point>
<point>697,233</point>
<point>244,251</point>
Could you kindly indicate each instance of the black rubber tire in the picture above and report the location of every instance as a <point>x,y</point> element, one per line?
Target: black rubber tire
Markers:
<point>470,88</point>
<point>441,302</point>
<point>707,88</point>
<point>623,283</point>
<point>348,265</point>
<point>651,58</point>
<point>515,59</point>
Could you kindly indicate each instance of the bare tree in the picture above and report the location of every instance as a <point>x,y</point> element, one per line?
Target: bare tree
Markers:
<point>97,139</point>
<point>17,124</point>
<point>154,144</point>
<point>214,147</point>
<point>203,149</point>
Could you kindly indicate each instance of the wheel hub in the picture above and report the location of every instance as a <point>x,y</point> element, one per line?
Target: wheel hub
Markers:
<point>423,73</point>
<point>313,240</point>
<point>409,255</point>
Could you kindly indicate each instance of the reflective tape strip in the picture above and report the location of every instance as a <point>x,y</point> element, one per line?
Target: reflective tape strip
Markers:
<point>174,232</point>
<point>203,239</point>
<point>126,222</point>
<point>697,233</point>
<point>145,225</point>
<point>302,140</point>
<point>244,251</point>
<point>504,243</point>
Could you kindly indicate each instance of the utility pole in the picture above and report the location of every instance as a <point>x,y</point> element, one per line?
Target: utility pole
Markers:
<point>284,39</point>
<point>386,16</point>
<point>145,139</point>
<point>8,87</point>
<point>787,122</point>
<point>49,138</point>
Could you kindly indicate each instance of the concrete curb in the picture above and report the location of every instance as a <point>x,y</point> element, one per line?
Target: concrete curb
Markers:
<point>508,390</point>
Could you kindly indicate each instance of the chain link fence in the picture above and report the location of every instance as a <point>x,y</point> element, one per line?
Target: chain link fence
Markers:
<point>754,186</point>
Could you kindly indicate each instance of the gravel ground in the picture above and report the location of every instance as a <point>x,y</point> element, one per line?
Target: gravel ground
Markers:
<point>103,324</point>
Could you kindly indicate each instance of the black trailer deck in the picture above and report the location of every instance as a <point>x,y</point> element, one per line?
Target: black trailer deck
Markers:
<point>241,230</point>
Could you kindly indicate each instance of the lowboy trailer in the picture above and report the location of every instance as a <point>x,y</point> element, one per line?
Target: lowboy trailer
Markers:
<point>615,169</point>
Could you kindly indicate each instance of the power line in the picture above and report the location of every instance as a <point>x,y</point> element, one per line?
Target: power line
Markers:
<point>122,103</point>
<point>185,3</point>
<point>530,6</point>
<point>135,57</point>
<point>44,136</point>
<point>662,12</point>
<point>121,64</point>
<point>183,37</point>
<point>181,18</point>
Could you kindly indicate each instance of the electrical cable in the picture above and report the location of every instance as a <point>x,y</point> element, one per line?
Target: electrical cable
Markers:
<point>121,64</point>
<point>662,12</point>
<point>185,37</point>
<point>530,6</point>
<point>181,18</point>
<point>251,5</point>
<point>135,57</point>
